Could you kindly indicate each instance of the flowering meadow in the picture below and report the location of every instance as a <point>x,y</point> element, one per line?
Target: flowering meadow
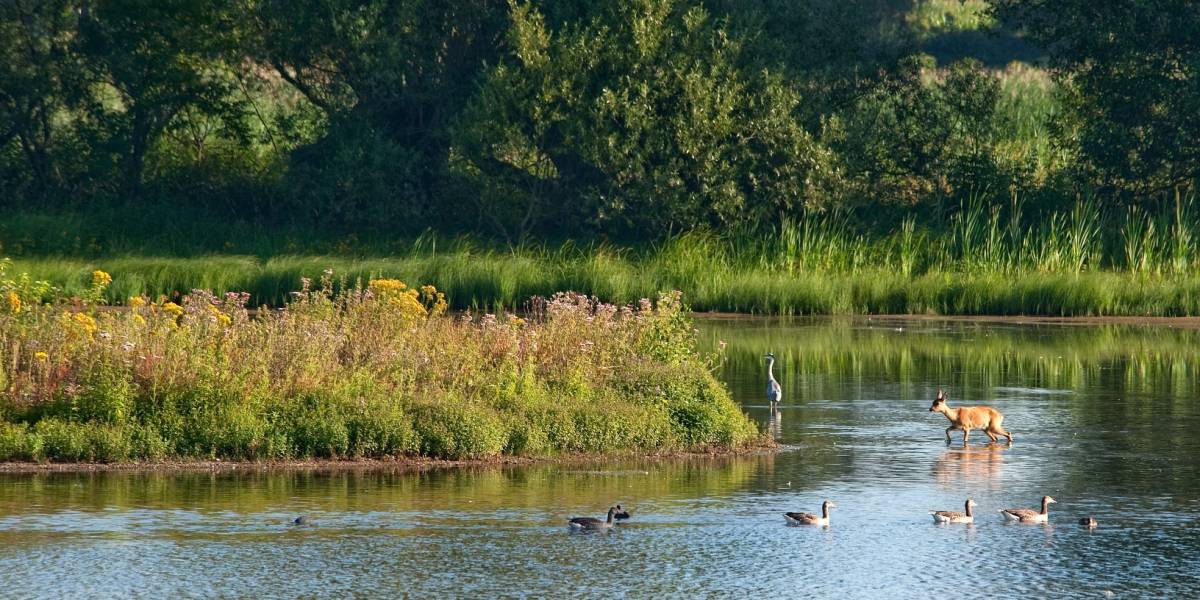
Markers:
<point>376,369</point>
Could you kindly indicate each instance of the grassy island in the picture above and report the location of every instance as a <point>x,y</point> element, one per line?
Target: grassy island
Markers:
<point>376,369</point>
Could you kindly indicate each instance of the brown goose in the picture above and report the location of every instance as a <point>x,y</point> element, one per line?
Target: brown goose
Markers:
<point>948,516</point>
<point>592,523</point>
<point>1028,515</point>
<point>803,518</point>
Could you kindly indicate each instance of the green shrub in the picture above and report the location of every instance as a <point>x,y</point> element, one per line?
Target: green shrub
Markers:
<point>454,430</point>
<point>107,395</point>
<point>316,427</point>
<point>63,441</point>
<point>18,443</point>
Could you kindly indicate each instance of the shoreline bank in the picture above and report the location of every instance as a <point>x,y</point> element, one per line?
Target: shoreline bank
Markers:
<point>399,465</point>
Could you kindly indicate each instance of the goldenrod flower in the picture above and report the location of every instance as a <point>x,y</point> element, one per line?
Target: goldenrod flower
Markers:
<point>172,309</point>
<point>86,322</point>
<point>386,287</point>
<point>100,278</point>
<point>224,319</point>
<point>139,320</point>
<point>41,356</point>
<point>137,301</point>
<point>14,302</point>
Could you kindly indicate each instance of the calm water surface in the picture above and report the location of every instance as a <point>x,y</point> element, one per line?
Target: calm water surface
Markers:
<point>1106,420</point>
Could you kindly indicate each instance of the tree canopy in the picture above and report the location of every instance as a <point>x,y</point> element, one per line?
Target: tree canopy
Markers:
<point>629,118</point>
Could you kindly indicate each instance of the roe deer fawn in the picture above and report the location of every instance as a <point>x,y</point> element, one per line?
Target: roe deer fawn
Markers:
<point>966,418</point>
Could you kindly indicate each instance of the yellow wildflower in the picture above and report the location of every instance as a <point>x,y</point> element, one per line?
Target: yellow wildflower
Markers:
<point>224,319</point>
<point>41,356</point>
<point>137,301</point>
<point>172,309</point>
<point>139,320</point>
<point>386,287</point>
<point>14,302</point>
<point>86,322</point>
<point>100,278</point>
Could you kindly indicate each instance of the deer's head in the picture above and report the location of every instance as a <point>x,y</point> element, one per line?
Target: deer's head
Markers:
<point>939,403</point>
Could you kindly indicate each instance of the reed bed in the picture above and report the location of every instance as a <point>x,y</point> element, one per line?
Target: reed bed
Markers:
<point>983,259</point>
<point>376,369</point>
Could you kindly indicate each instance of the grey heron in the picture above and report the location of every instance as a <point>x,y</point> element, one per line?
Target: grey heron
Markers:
<point>774,390</point>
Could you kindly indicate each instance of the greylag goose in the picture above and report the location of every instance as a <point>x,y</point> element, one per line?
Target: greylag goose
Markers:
<point>592,523</point>
<point>803,518</point>
<point>949,516</point>
<point>1028,515</point>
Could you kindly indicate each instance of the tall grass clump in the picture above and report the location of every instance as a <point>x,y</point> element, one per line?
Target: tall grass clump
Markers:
<point>375,368</point>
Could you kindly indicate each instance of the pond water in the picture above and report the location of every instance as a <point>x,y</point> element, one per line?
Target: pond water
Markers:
<point>1106,420</point>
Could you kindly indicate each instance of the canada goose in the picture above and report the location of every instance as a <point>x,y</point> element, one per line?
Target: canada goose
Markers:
<point>948,516</point>
<point>621,514</point>
<point>1089,522</point>
<point>803,518</point>
<point>592,523</point>
<point>1028,515</point>
<point>302,520</point>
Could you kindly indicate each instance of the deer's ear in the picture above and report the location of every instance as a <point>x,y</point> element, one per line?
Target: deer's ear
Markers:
<point>941,395</point>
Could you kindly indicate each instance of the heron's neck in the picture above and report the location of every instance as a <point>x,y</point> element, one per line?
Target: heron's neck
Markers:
<point>771,368</point>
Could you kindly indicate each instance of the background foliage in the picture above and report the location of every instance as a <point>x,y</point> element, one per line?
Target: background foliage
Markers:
<point>624,120</point>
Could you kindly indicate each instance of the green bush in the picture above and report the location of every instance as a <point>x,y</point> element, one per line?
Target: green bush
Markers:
<point>63,441</point>
<point>18,443</point>
<point>107,395</point>
<point>455,430</point>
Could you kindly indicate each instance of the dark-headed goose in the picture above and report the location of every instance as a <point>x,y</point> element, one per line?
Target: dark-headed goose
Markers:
<point>592,523</point>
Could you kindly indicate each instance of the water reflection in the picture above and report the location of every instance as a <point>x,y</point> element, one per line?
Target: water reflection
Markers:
<point>974,465</point>
<point>775,423</point>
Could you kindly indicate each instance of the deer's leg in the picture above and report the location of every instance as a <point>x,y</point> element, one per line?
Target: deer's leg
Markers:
<point>966,432</point>
<point>948,430</point>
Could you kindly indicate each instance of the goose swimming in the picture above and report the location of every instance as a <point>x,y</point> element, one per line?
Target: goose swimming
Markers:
<point>592,523</point>
<point>1028,515</point>
<point>949,516</point>
<point>803,518</point>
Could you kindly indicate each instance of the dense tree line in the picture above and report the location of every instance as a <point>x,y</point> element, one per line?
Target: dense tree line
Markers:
<point>626,118</point>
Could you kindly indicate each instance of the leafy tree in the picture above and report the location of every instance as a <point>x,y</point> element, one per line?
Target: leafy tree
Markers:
<point>1131,71</point>
<point>155,59</point>
<point>921,134</point>
<point>36,68</point>
<point>391,76</point>
<point>637,120</point>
